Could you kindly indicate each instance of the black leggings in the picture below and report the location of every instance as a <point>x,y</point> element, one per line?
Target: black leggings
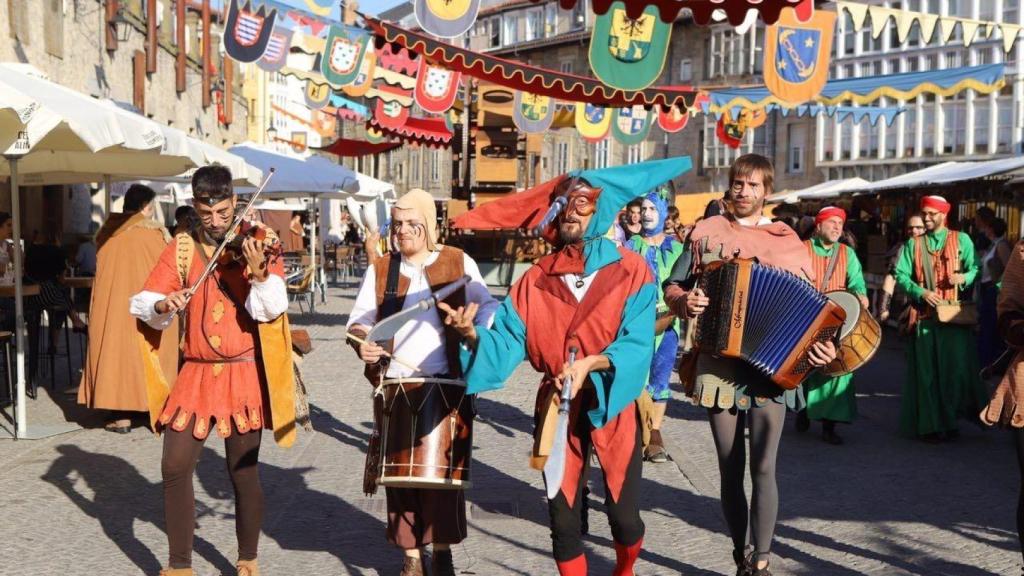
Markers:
<point>623,515</point>
<point>181,452</point>
<point>1018,436</point>
<point>727,427</point>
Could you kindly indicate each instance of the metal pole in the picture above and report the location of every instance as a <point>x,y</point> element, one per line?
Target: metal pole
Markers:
<point>314,238</point>
<point>467,101</point>
<point>21,424</point>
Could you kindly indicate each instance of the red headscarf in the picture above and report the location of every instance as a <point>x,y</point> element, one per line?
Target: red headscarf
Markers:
<point>830,212</point>
<point>937,203</point>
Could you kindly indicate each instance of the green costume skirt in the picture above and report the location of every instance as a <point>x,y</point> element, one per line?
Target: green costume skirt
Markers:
<point>727,383</point>
<point>830,398</point>
<point>942,379</point>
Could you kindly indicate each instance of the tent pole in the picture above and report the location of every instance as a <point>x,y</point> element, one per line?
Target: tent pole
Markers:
<point>21,424</point>
<point>314,238</point>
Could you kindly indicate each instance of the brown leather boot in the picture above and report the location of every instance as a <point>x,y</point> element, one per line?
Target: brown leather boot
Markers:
<point>177,572</point>
<point>441,563</point>
<point>413,567</point>
<point>248,568</point>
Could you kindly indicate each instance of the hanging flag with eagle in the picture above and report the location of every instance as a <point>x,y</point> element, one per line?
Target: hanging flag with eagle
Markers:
<point>631,125</point>
<point>796,55</point>
<point>436,87</point>
<point>247,31</point>
<point>446,18</point>
<point>628,53</point>
<point>532,113</point>
<point>344,51</point>
<point>364,78</point>
<point>592,121</point>
<point>277,50</point>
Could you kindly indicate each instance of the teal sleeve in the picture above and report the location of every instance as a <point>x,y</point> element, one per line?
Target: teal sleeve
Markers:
<point>854,274</point>
<point>630,357</point>
<point>968,262</point>
<point>499,350</point>
<point>904,273</point>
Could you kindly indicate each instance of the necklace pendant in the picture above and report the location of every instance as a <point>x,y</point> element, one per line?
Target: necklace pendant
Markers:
<point>579,283</point>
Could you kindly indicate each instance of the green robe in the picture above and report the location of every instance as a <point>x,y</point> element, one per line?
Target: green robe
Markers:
<point>942,359</point>
<point>835,398</point>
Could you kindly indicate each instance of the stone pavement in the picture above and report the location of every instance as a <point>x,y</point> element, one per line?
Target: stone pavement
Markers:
<point>89,502</point>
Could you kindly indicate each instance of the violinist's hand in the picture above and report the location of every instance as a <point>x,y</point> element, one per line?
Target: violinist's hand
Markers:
<point>256,258</point>
<point>172,302</point>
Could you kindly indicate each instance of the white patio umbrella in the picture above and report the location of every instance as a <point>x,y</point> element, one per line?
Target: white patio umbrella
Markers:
<point>63,134</point>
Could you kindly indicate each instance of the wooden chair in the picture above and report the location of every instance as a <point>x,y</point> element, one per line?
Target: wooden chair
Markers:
<point>303,288</point>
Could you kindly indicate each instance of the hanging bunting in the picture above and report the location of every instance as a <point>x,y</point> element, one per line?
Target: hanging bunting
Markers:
<point>446,18</point>
<point>342,103</point>
<point>905,19</point>
<point>532,114</point>
<point>317,95</point>
<point>374,135</point>
<point>628,53</point>
<point>796,56</point>
<point>703,10</point>
<point>321,8</point>
<point>390,115</point>
<point>364,79</point>
<point>277,50</point>
<point>304,20</point>
<point>422,131</point>
<point>436,87</point>
<point>672,120</point>
<point>631,125</point>
<point>859,113</point>
<point>247,32</point>
<point>731,132</point>
<point>592,121</point>
<point>343,54</point>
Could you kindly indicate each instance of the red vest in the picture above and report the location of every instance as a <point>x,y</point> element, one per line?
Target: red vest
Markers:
<point>820,264</point>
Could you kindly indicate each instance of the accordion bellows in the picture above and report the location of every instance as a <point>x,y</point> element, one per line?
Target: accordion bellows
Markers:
<point>767,317</point>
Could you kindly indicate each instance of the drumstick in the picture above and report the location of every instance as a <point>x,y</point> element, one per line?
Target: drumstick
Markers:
<point>386,353</point>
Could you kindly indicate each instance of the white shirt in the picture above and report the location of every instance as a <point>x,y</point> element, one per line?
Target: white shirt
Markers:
<point>571,279</point>
<point>266,301</point>
<point>421,341</point>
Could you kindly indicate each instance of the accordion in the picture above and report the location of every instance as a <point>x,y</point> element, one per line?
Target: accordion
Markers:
<point>767,317</point>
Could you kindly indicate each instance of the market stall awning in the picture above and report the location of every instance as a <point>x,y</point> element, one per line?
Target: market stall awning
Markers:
<point>907,86</point>
<point>295,175</point>
<point>349,147</point>
<point>822,191</point>
<point>735,10</point>
<point>425,131</point>
<point>519,76</point>
<point>944,174</point>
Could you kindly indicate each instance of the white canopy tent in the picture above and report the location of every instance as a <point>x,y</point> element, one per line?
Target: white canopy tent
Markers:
<point>821,191</point>
<point>63,136</point>
<point>944,174</point>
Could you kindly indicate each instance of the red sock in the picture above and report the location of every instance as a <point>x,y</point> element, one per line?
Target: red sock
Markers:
<point>625,557</point>
<point>575,567</point>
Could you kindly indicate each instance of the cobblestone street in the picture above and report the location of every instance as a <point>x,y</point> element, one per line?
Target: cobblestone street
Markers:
<point>90,502</point>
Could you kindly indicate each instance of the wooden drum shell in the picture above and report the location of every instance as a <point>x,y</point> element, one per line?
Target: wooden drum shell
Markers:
<point>858,346</point>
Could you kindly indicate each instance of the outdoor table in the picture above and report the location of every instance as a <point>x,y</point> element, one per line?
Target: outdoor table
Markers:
<point>77,281</point>
<point>26,290</point>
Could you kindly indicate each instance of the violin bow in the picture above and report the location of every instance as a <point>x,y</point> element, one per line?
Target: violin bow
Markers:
<point>212,264</point>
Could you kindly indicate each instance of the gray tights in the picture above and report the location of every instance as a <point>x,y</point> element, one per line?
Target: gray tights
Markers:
<point>727,427</point>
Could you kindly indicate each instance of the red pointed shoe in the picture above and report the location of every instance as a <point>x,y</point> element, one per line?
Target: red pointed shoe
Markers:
<point>625,557</point>
<point>575,567</point>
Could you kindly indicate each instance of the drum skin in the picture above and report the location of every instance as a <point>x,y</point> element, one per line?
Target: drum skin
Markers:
<point>859,345</point>
<point>427,439</point>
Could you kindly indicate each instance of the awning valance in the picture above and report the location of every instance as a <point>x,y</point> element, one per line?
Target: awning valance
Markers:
<point>352,148</point>
<point>425,131</point>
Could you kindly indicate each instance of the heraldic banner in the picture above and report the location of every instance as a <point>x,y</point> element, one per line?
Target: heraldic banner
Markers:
<point>796,55</point>
<point>627,53</point>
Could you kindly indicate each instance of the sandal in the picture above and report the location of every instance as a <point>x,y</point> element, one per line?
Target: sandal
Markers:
<point>752,568</point>
<point>740,558</point>
<point>248,568</point>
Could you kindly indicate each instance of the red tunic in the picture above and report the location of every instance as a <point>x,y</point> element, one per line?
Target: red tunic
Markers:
<point>220,379</point>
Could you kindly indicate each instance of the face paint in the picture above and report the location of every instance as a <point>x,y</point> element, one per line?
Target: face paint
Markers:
<point>650,219</point>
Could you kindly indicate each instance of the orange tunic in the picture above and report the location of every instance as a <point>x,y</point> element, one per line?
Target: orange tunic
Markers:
<point>221,378</point>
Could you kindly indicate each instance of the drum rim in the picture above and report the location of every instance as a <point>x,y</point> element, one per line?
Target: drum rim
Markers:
<point>423,380</point>
<point>854,307</point>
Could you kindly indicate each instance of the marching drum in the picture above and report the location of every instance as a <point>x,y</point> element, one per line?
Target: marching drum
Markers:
<point>859,338</point>
<point>427,436</point>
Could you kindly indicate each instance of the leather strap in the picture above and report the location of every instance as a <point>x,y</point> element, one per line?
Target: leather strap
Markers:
<point>831,269</point>
<point>238,360</point>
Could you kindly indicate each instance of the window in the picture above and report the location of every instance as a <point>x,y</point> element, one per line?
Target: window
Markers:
<point>981,121</point>
<point>728,53</point>
<point>845,139</point>
<point>550,20</point>
<point>928,129</point>
<point>493,33</point>
<point>830,133</point>
<point>602,153</point>
<point>912,64</point>
<point>797,138</point>
<point>909,129</point>
<point>566,67</point>
<point>435,165</point>
<point>849,35</point>
<point>510,30</point>
<point>635,153</point>
<point>1011,11</point>
<point>414,167</point>
<point>1004,132</point>
<point>954,127</point>
<point>578,20</point>
<point>686,70</point>
<point>534,25</point>
<point>562,158</point>
<point>953,59</point>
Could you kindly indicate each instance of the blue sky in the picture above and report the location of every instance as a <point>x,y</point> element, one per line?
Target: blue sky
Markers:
<point>371,7</point>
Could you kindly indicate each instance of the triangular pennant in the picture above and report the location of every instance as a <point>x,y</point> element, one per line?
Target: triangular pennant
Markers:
<point>631,125</point>
<point>436,87</point>
<point>879,19</point>
<point>446,18</point>
<point>970,28</point>
<point>796,55</point>
<point>988,29</point>
<point>592,121</point>
<point>748,22</point>
<point>927,23</point>
<point>247,31</point>
<point>1010,32</point>
<point>858,12</point>
<point>904,21</point>
<point>947,26</point>
<point>531,113</point>
<point>626,53</point>
<point>344,50</point>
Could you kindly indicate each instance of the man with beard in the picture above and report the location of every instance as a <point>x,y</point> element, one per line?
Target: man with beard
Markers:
<point>661,251</point>
<point>600,299</point>
<point>836,267</point>
<point>942,358</point>
<point>734,392</point>
<point>419,517</point>
<point>237,375</point>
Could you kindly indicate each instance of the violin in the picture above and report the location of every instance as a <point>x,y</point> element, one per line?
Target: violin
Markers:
<point>233,252</point>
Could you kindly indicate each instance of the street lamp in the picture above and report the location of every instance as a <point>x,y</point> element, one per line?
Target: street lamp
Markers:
<point>122,25</point>
<point>271,133</point>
